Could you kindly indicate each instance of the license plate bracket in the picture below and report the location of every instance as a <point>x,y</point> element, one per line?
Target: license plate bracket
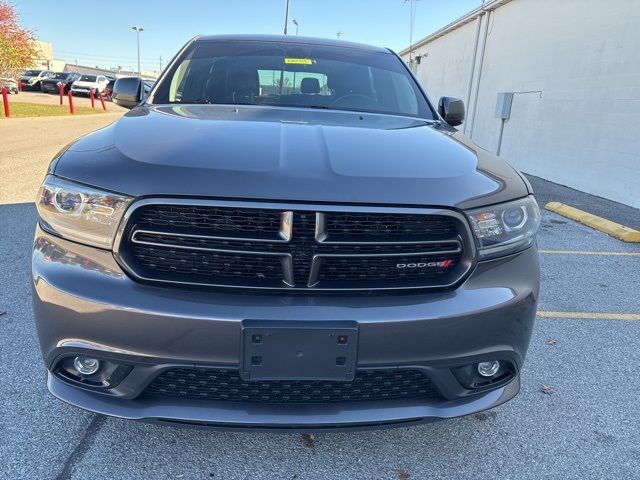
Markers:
<point>296,350</point>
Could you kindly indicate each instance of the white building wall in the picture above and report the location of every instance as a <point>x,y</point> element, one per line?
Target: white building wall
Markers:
<point>451,76</point>
<point>580,60</point>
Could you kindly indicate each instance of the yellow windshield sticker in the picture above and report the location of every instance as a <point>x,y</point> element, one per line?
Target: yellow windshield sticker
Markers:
<point>298,61</point>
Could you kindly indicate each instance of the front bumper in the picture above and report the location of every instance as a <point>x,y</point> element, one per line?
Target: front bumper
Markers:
<point>49,87</point>
<point>85,303</point>
<point>81,90</point>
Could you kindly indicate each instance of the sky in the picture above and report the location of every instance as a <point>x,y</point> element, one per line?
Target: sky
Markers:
<point>99,33</point>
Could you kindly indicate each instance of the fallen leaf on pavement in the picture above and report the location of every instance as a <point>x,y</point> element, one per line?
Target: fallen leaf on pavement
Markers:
<point>308,440</point>
<point>547,389</point>
<point>402,474</point>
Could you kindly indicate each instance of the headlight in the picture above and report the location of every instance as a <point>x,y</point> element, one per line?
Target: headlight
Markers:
<point>506,228</point>
<point>80,213</point>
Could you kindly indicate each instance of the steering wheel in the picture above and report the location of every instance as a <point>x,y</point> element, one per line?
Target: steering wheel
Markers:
<point>350,95</point>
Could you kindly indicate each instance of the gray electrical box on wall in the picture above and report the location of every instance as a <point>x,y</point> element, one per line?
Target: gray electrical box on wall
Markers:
<point>503,105</point>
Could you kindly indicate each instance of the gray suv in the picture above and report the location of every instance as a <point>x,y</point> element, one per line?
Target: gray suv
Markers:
<point>284,234</point>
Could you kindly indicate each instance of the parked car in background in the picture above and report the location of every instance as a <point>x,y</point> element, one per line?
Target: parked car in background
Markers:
<point>109,88</point>
<point>147,85</point>
<point>52,84</point>
<point>31,78</point>
<point>87,83</point>
<point>10,84</point>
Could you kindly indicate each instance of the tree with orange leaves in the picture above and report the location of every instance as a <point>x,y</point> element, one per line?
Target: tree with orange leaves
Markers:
<point>18,48</point>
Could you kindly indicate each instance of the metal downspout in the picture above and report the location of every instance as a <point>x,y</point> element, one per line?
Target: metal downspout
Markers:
<point>473,64</point>
<point>477,87</point>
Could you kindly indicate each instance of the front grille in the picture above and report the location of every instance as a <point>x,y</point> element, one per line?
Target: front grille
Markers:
<point>226,244</point>
<point>226,385</point>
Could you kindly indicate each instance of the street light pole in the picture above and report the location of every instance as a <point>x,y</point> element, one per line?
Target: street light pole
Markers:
<point>286,17</point>
<point>138,30</point>
<point>295,22</point>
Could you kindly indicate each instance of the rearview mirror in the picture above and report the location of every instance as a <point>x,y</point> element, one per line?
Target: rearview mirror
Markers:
<point>127,92</point>
<point>451,110</point>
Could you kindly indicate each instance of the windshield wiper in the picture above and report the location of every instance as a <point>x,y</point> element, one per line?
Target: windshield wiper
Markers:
<point>198,100</point>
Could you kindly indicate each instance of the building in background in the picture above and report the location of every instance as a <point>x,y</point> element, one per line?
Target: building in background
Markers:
<point>109,72</point>
<point>553,86</point>
<point>45,60</point>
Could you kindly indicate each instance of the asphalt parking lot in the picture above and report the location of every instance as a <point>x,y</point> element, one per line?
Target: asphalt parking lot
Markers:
<point>577,416</point>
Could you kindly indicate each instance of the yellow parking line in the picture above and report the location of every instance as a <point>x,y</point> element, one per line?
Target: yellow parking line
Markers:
<point>590,315</point>
<point>621,232</point>
<point>590,252</point>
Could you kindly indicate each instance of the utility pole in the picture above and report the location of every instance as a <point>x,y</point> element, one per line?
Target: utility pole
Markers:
<point>286,17</point>
<point>138,30</point>
<point>160,64</point>
<point>412,18</point>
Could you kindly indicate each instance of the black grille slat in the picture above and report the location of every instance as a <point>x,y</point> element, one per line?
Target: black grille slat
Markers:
<point>237,222</point>
<point>226,385</point>
<point>217,267</point>
<point>286,248</point>
<point>367,269</point>
<point>372,227</point>
<point>304,225</point>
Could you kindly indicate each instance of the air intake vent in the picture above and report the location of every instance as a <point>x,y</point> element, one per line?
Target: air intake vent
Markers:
<point>227,386</point>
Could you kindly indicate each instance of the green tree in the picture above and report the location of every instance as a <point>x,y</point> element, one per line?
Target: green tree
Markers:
<point>18,48</point>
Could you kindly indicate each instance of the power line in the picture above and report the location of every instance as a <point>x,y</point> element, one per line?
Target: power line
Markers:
<point>77,53</point>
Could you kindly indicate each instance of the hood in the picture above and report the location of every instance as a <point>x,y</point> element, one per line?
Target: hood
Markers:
<point>266,153</point>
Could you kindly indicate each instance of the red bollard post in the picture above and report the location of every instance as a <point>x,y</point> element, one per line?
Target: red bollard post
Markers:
<point>20,85</point>
<point>70,94</point>
<point>61,90</point>
<point>91,97</point>
<point>5,101</point>
<point>104,107</point>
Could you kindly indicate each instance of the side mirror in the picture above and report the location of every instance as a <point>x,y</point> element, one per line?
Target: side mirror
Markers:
<point>127,92</point>
<point>451,110</point>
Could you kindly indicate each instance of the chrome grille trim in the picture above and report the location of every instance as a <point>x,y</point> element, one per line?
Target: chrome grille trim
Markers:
<point>203,237</point>
<point>463,244</point>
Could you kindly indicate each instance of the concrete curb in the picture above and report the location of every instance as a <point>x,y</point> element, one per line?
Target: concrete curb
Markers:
<point>616,230</point>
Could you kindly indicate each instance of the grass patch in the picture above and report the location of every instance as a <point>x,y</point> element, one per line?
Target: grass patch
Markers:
<point>38,110</point>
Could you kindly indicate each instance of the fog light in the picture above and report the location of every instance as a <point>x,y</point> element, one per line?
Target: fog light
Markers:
<point>86,366</point>
<point>488,369</point>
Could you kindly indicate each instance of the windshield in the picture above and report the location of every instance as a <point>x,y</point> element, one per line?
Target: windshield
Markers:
<point>32,73</point>
<point>87,78</point>
<point>60,76</point>
<point>292,75</point>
